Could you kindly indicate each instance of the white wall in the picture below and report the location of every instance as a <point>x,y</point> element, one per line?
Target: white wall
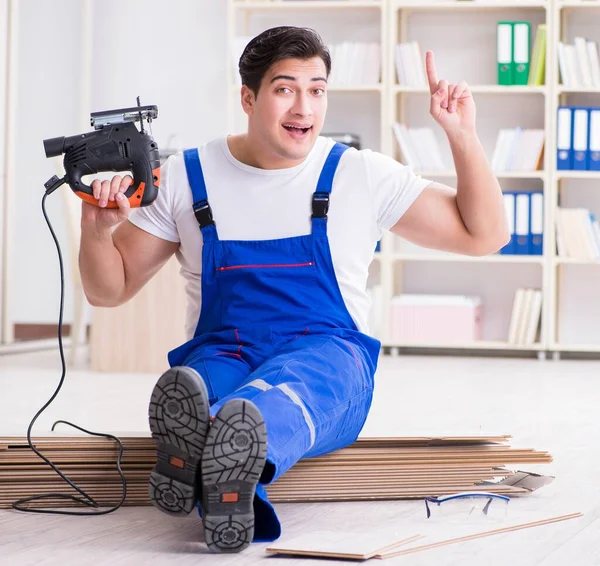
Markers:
<point>46,106</point>
<point>170,54</point>
<point>3,97</point>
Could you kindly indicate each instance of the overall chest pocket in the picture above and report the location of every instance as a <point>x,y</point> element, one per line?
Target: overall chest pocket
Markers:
<point>267,280</point>
<point>267,266</point>
<point>287,256</point>
<point>268,293</point>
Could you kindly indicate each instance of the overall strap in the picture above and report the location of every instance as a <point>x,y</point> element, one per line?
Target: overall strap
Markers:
<point>320,201</point>
<point>201,207</point>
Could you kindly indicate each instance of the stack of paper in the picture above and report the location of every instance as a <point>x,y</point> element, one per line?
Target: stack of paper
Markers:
<point>369,469</point>
<point>410,67</point>
<point>577,234</point>
<point>355,64</point>
<point>518,150</point>
<point>578,63</point>
<point>419,147</point>
<point>525,317</point>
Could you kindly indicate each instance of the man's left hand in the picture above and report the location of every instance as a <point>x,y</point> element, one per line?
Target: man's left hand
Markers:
<point>452,106</point>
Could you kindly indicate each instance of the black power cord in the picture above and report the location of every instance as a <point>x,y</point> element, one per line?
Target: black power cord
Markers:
<point>51,186</point>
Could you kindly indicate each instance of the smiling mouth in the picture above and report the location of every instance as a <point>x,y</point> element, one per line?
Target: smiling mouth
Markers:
<point>297,128</point>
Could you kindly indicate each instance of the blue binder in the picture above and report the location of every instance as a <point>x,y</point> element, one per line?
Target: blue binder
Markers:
<point>564,135</point>
<point>594,143</point>
<point>509,206</point>
<point>581,139</point>
<point>536,223</point>
<point>522,223</point>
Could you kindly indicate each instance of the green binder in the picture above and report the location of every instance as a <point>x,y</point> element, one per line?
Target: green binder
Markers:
<point>537,68</point>
<point>504,53</point>
<point>521,41</point>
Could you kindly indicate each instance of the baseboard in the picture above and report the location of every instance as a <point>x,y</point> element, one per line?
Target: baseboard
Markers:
<point>33,346</point>
<point>40,331</point>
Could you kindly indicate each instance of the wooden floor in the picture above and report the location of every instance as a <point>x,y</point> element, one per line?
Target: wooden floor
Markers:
<point>548,405</point>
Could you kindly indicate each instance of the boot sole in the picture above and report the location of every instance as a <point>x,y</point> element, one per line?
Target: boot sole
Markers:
<point>232,462</point>
<point>179,417</point>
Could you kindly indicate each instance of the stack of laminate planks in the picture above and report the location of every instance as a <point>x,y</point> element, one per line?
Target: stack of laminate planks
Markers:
<point>405,468</point>
<point>369,469</point>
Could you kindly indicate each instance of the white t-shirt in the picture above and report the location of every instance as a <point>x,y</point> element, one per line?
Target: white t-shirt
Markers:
<point>370,193</point>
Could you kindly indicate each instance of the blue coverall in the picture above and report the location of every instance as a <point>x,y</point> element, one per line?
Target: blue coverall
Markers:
<point>274,329</point>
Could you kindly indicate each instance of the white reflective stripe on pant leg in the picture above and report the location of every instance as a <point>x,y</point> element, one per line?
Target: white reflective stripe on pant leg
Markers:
<point>294,397</point>
<point>259,384</point>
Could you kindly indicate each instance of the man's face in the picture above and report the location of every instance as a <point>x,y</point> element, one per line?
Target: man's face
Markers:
<point>288,114</point>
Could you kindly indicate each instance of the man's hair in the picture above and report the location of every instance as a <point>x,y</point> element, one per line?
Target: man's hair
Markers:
<point>279,43</point>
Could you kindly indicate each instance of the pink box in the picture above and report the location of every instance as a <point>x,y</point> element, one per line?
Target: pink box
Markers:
<point>438,319</point>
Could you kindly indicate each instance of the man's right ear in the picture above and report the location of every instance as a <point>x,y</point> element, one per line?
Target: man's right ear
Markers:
<point>248,100</point>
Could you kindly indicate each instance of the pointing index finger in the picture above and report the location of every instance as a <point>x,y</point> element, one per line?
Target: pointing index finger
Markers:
<point>431,72</point>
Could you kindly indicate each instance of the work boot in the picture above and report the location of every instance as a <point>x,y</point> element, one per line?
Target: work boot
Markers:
<point>179,418</point>
<point>232,462</point>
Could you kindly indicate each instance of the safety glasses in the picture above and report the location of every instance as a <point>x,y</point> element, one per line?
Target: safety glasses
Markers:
<point>472,504</point>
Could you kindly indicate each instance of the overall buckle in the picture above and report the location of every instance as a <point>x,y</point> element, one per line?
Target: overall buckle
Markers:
<point>203,213</point>
<point>320,205</point>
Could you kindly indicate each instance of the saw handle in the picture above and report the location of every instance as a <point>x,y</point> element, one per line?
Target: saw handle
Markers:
<point>141,192</point>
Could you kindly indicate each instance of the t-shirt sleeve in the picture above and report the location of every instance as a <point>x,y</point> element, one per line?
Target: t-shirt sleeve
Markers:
<point>158,218</point>
<point>394,187</point>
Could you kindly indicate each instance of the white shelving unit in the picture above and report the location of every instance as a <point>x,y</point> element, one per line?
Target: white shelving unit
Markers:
<point>482,89</point>
<point>306,4</point>
<point>404,17</point>
<point>9,12</point>
<point>563,183</point>
<point>397,23</point>
<point>468,259</point>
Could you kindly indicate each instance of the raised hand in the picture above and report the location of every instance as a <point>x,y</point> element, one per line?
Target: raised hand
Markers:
<point>451,106</point>
<point>100,218</point>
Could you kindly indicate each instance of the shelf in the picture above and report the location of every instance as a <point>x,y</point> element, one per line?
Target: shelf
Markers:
<point>568,174</point>
<point>574,261</point>
<point>499,174</point>
<point>520,174</point>
<point>468,5</point>
<point>479,89</point>
<point>354,88</point>
<point>591,348</point>
<point>307,5</point>
<point>578,4</point>
<point>336,88</point>
<point>480,345</point>
<point>448,173</point>
<point>493,258</point>
<point>577,90</point>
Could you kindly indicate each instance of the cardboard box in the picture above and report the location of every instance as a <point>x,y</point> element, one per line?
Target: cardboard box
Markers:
<point>437,319</point>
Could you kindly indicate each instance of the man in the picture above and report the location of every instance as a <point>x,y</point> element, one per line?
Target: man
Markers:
<point>275,230</point>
